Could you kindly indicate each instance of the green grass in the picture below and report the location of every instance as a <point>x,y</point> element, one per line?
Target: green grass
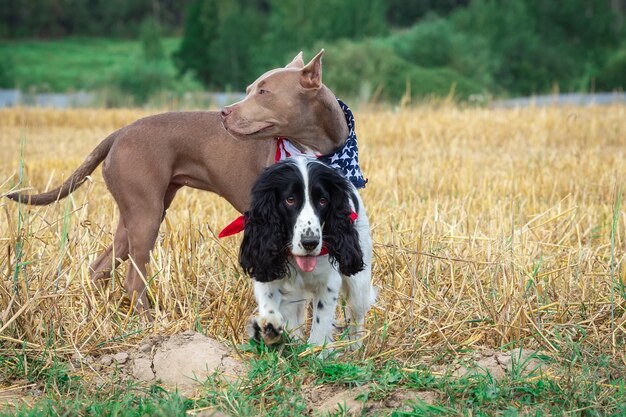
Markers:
<point>78,63</point>
<point>581,383</point>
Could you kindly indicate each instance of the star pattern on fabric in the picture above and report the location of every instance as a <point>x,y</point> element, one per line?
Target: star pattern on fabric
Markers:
<point>344,159</point>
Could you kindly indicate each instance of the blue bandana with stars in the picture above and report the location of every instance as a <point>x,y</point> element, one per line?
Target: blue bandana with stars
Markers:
<point>346,158</point>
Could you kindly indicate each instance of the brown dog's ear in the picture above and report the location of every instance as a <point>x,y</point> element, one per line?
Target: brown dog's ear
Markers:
<point>297,62</point>
<point>311,76</point>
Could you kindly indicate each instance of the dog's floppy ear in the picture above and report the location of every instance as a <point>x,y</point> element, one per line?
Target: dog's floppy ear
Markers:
<point>263,253</point>
<point>340,234</point>
<point>297,62</point>
<point>311,77</point>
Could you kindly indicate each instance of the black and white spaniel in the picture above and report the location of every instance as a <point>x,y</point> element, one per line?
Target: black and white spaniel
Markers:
<point>306,239</point>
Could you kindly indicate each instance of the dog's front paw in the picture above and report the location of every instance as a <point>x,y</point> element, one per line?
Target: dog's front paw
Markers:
<point>269,328</point>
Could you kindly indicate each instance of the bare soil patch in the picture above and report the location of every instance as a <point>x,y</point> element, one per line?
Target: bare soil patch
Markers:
<point>499,364</point>
<point>13,395</point>
<point>182,361</point>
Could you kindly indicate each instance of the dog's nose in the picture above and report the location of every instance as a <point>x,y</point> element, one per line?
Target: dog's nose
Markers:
<point>309,242</point>
<point>225,111</point>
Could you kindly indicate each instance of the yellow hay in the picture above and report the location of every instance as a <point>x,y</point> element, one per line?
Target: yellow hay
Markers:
<point>490,227</point>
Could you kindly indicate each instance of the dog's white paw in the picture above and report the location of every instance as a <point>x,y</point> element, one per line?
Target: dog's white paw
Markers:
<point>270,328</point>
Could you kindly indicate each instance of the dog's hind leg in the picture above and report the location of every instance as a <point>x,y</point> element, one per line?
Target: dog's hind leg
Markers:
<point>110,258</point>
<point>117,252</point>
<point>142,225</point>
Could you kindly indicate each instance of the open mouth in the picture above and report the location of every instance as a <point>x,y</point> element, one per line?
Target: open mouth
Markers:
<point>306,263</point>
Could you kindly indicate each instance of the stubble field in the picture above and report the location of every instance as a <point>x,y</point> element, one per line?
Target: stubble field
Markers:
<point>493,229</point>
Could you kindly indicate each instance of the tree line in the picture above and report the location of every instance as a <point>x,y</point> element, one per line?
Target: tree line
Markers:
<point>375,47</point>
<point>386,48</point>
<point>46,19</point>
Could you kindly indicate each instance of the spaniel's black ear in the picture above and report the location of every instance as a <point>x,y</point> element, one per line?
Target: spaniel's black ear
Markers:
<point>340,235</point>
<point>263,253</point>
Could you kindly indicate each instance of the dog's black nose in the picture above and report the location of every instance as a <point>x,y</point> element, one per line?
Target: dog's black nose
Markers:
<point>309,242</point>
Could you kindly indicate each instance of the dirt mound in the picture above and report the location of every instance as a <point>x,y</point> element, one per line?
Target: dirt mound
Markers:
<point>325,400</point>
<point>182,361</point>
<point>354,401</point>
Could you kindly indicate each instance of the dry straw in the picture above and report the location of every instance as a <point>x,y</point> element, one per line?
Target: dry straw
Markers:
<point>491,227</point>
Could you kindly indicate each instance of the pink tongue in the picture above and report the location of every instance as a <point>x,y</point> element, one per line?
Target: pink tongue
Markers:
<point>306,263</point>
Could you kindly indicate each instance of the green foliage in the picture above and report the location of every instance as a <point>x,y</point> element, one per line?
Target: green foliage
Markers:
<point>117,69</point>
<point>294,26</point>
<point>372,69</point>
<point>55,18</point>
<point>526,65</point>
<point>214,48</point>
<point>346,373</point>
<point>515,47</point>
<point>195,53</point>
<point>436,43</point>
<point>148,75</point>
<point>119,400</point>
<point>613,75</point>
<point>232,50</point>
<point>143,79</point>
<point>7,69</point>
<point>51,374</point>
<point>68,64</point>
<point>220,54</point>
<point>406,13</point>
<point>151,40</point>
<point>539,44</point>
<point>518,46</point>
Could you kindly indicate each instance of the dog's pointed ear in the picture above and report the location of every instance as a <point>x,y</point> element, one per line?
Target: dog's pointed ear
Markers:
<point>311,76</point>
<point>297,62</point>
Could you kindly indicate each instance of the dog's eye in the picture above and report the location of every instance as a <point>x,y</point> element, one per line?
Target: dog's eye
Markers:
<point>323,201</point>
<point>291,200</point>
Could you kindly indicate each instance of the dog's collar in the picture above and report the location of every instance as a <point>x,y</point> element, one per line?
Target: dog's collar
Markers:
<point>344,159</point>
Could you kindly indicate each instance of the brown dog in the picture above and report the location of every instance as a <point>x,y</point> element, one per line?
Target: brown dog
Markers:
<point>145,163</point>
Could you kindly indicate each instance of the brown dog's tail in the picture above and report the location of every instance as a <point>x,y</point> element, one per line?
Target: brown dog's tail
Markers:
<point>73,182</point>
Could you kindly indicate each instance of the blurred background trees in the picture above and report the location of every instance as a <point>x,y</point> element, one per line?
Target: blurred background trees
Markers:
<point>56,18</point>
<point>374,47</point>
